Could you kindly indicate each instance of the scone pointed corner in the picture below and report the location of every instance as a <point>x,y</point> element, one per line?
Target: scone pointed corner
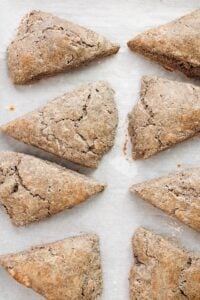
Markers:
<point>130,44</point>
<point>175,45</point>
<point>139,233</point>
<point>46,45</point>
<point>133,188</point>
<point>113,48</point>
<point>75,263</point>
<point>6,128</point>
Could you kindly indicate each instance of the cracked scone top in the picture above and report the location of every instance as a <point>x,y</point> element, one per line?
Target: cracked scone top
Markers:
<point>163,270</point>
<point>175,46</point>
<point>176,194</point>
<point>32,189</point>
<point>79,126</point>
<point>46,45</point>
<point>69,269</point>
<point>167,113</point>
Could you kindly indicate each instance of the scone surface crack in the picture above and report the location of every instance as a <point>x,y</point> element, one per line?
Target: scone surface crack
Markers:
<point>167,113</point>
<point>79,126</point>
<point>175,46</point>
<point>177,194</point>
<point>163,270</point>
<point>46,45</point>
<point>32,189</point>
<point>69,269</point>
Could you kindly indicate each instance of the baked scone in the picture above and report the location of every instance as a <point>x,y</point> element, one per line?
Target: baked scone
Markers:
<point>65,270</point>
<point>79,126</point>
<point>167,113</point>
<point>32,189</point>
<point>175,46</point>
<point>176,194</point>
<point>46,45</point>
<point>163,270</point>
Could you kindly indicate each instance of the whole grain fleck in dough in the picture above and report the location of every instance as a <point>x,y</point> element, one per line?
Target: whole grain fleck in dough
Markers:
<point>175,46</point>
<point>167,113</point>
<point>46,45</point>
<point>79,126</point>
<point>176,194</point>
<point>65,270</point>
<point>32,189</point>
<point>163,270</point>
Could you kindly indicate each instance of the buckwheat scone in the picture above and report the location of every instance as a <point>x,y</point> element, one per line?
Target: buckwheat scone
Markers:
<point>65,270</point>
<point>175,46</point>
<point>176,194</point>
<point>167,113</point>
<point>32,189</point>
<point>46,45</point>
<point>79,126</point>
<point>163,270</point>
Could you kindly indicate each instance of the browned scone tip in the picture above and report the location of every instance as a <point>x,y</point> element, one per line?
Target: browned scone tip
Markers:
<point>32,189</point>
<point>167,113</point>
<point>69,269</point>
<point>46,45</point>
<point>177,194</point>
<point>162,269</point>
<point>175,45</point>
<point>79,126</point>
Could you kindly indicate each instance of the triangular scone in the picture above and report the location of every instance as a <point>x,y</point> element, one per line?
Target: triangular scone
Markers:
<point>167,113</point>
<point>163,270</point>
<point>177,194</point>
<point>65,270</point>
<point>32,189</point>
<point>79,126</point>
<point>175,46</point>
<point>46,45</point>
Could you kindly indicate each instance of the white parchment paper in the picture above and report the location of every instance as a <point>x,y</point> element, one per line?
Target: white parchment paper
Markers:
<point>115,214</point>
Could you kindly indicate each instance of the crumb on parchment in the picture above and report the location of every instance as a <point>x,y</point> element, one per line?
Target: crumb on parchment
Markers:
<point>11,107</point>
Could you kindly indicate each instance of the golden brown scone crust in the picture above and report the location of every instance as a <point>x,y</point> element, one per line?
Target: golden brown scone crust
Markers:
<point>79,126</point>
<point>163,270</point>
<point>46,45</point>
<point>176,194</point>
<point>32,189</point>
<point>167,113</point>
<point>175,46</point>
<point>65,270</point>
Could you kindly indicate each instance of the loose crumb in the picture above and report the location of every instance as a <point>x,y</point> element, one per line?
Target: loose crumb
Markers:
<point>125,144</point>
<point>11,107</point>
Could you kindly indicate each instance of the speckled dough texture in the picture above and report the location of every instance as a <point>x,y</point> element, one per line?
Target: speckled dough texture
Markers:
<point>32,189</point>
<point>176,45</point>
<point>79,126</point>
<point>177,194</point>
<point>167,113</point>
<point>65,270</point>
<point>46,45</point>
<point>163,270</point>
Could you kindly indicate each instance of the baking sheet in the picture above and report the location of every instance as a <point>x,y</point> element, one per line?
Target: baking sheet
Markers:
<point>115,214</point>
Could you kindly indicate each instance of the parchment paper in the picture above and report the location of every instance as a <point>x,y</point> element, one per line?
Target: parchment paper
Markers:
<point>115,214</point>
